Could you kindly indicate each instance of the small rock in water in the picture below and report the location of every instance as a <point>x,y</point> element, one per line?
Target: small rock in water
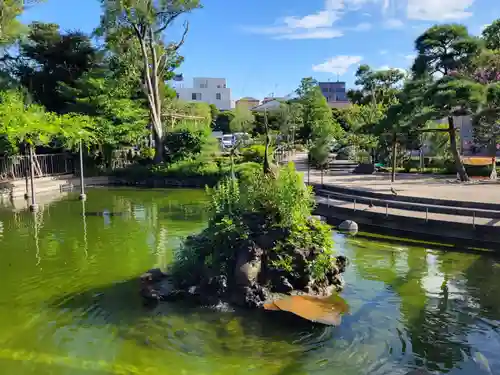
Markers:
<point>349,226</point>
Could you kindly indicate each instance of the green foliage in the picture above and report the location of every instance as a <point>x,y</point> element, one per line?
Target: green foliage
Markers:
<point>285,198</point>
<point>319,155</point>
<point>214,113</point>
<point>243,120</point>
<point>50,58</point>
<point>487,120</point>
<point>318,122</point>
<point>246,171</point>
<point>223,121</point>
<point>444,49</point>
<point>254,153</point>
<point>121,117</point>
<point>307,85</point>
<point>377,87</point>
<point>491,35</point>
<point>30,123</point>
<point>182,145</point>
<point>10,27</point>
<point>242,212</point>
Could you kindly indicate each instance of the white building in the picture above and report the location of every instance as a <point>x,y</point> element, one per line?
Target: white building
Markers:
<point>208,90</point>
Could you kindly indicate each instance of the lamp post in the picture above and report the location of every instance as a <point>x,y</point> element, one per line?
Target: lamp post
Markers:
<point>82,195</point>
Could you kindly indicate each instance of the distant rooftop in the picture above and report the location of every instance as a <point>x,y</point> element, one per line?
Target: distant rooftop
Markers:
<point>250,99</point>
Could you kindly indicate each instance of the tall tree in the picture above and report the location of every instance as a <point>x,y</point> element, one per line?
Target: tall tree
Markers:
<point>306,86</point>
<point>48,59</point>
<point>148,20</point>
<point>491,35</point>
<point>243,120</point>
<point>10,27</point>
<point>376,86</point>
<point>444,50</point>
<point>487,120</point>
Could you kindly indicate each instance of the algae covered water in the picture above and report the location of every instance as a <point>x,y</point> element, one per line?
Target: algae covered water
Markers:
<point>69,301</point>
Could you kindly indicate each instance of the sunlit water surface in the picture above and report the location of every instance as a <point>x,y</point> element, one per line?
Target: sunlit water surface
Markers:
<point>69,301</point>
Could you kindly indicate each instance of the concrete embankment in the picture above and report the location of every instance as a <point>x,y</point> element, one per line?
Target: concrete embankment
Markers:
<point>389,215</point>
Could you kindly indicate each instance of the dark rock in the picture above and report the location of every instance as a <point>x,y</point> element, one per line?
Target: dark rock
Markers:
<point>365,168</point>
<point>215,286</point>
<point>153,275</point>
<point>282,285</point>
<point>162,290</point>
<point>341,263</point>
<point>249,297</point>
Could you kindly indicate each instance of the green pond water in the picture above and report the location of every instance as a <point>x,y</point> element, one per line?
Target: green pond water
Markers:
<point>69,301</point>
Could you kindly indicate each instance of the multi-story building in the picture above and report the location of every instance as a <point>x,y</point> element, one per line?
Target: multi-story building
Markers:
<point>247,102</point>
<point>208,90</point>
<point>333,91</point>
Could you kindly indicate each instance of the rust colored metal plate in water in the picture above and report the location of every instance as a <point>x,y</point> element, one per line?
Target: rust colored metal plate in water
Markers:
<point>319,310</point>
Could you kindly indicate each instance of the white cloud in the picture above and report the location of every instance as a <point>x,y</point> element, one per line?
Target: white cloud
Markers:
<point>383,52</point>
<point>312,34</point>
<point>439,10</point>
<point>393,23</point>
<point>318,25</point>
<point>410,57</point>
<point>363,26</point>
<point>337,65</point>
<point>325,18</point>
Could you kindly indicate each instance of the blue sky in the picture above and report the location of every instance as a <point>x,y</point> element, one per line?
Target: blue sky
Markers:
<point>267,46</point>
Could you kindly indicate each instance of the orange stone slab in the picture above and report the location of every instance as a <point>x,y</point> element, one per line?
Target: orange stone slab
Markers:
<point>319,310</point>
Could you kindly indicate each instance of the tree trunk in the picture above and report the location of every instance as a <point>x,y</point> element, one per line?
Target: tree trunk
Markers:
<point>151,80</point>
<point>394,157</point>
<point>454,151</point>
<point>159,149</point>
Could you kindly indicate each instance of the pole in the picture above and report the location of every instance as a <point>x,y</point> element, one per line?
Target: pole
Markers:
<point>33,206</point>
<point>308,169</point>
<point>394,155</point>
<point>82,196</point>
<point>26,173</point>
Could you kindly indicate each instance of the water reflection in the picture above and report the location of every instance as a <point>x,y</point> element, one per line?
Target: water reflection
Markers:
<point>84,222</point>
<point>439,312</point>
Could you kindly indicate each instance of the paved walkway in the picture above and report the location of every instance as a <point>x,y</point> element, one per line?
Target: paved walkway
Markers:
<point>416,185</point>
<point>428,186</point>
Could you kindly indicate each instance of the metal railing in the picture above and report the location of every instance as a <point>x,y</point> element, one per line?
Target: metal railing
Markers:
<point>470,216</point>
<point>17,166</point>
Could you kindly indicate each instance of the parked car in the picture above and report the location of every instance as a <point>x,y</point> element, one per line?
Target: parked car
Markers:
<point>228,140</point>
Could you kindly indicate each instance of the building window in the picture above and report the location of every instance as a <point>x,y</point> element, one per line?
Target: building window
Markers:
<point>218,96</point>
<point>203,85</point>
<point>177,94</point>
<point>196,96</point>
<point>224,85</point>
<point>218,86</point>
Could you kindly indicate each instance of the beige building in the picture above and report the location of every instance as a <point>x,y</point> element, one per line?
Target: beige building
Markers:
<point>247,102</point>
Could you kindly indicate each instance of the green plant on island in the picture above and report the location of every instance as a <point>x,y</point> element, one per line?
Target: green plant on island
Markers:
<point>261,238</point>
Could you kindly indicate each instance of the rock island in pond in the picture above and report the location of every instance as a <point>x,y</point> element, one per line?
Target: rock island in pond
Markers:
<point>261,244</point>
